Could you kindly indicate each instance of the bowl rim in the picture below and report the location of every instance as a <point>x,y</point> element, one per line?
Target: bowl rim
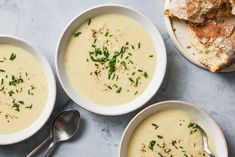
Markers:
<point>180,49</point>
<point>178,102</point>
<point>115,111</point>
<point>12,138</point>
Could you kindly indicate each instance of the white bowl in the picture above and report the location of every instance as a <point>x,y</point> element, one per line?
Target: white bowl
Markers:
<point>158,74</point>
<point>42,119</point>
<point>182,37</point>
<point>210,125</point>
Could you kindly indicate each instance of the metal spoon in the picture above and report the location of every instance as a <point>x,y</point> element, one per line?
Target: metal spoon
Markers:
<point>205,142</point>
<point>64,127</point>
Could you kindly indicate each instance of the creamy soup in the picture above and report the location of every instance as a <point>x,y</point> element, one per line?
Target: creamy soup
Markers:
<point>169,133</point>
<point>23,89</point>
<point>110,59</point>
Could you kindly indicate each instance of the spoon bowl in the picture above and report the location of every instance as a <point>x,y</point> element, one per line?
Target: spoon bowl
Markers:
<point>66,125</point>
<point>205,141</point>
<point>63,128</point>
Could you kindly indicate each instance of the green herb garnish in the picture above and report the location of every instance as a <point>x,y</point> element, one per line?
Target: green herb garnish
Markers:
<point>11,92</point>
<point>106,34</point>
<point>89,22</point>
<point>137,82</point>
<point>155,125</point>
<point>21,102</point>
<point>29,107</point>
<point>131,79</point>
<point>160,154</point>
<point>152,144</point>
<point>193,127</point>
<point>77,34</point>
<point>15,80</point>
<point>12,57</point>
<point>145,75</point>
<point>2,88</point>
<point>124,64</point>
<point>174,143</point>
<point>159,136</point>
<point>119,90</point>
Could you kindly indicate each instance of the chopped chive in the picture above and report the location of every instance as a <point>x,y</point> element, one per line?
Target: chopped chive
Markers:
<point>131,79</point>
<point>137,82</point>
<point>131,61</point>
<point>119,90</point>
<point>1,70</point>
<point>77,34</point>
<point>159,136</point>
<point>145,75</point>
<point>89,22</point>
<point>151,144</point>
<point>160,154</point>
<point>95,41</point>
<point>29,107</point>
<point>138,45</point>
<point>2,88</point>
<point>21,102</point>
<point>155,125</point>
<point>124,64</point>
<point>174,143</point>
<point>12,57</point>
<point>106,34</point>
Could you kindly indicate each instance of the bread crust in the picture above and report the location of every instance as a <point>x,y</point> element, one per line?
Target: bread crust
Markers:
<point>219,37</point>
<point>198,11</point>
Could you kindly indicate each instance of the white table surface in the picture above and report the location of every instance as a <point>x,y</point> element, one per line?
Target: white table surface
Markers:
<point>41,23</point>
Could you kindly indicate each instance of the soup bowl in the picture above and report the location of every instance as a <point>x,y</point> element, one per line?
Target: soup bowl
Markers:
<point>160,65</point>
<point>203,118</point>
<point>47,110</point>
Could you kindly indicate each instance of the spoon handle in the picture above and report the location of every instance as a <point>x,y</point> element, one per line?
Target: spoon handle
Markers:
<point>49,149</point>
<point>36,150</point>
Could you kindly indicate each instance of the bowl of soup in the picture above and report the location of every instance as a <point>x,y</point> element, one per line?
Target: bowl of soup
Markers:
<point>170,129</point>
<point>27,90</point>
<point>111,59</point>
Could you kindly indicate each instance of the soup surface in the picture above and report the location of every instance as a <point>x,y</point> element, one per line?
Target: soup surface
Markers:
<point>169,133</point>
<point>110,59</point>
<point>23,89</point>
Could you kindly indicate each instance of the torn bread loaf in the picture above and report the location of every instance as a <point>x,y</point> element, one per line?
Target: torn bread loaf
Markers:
<point>218,40</point>
<point>198,11</point>
<point>233,6</point>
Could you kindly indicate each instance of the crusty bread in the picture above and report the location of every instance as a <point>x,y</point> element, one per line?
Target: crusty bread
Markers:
<point>233,6</point>
<point>198,11</point>
<point>218,41</point>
